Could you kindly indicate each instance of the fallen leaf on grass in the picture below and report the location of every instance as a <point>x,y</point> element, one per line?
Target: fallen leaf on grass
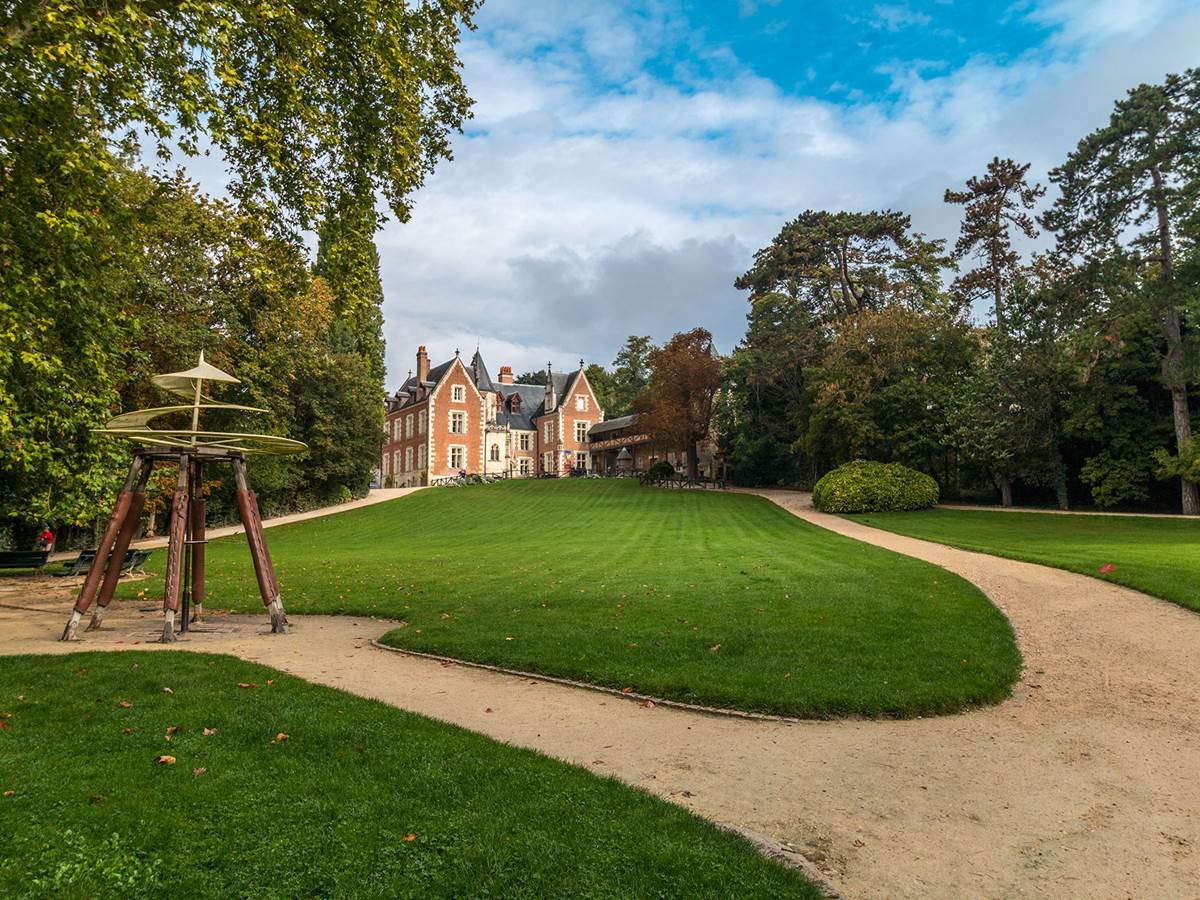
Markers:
<point>125,704</point>
<point>280,738</point>
<point>627,690</point>
<point>209,732</point>
<point>270,681</point>
<point>1106,568</point>
<point>20,696</point>
<point>165,760</point>
<point>4,723</point>
<point>95,798</point>
<point>167,690</point>
<point>197,772</point>
<point>247,684</point>
<point>715,647</point>
<point>510,638</point>
<point>171,729</point>
<point>409,838</point>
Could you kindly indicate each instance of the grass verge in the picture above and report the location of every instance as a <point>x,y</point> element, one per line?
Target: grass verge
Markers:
<point>1159,556</point>
<point>360,799</point>
<point>704,597</point>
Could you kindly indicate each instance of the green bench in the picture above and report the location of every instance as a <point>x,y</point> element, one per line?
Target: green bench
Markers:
<point>131,564</point>
<point>23,559</point>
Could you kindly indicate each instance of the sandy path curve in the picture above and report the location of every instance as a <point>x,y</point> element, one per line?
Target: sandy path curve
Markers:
<point>1084,784</point>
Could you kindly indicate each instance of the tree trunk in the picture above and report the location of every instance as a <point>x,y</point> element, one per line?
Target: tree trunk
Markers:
<point>1183,440</point>
<point>693,458</point>
<point>1005,483</point>
<point>1173,363</point>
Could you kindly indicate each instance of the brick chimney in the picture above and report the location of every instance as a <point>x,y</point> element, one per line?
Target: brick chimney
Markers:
<point>506,375</point>
<point>422,364</point>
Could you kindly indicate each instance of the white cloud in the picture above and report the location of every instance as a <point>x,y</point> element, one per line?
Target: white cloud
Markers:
<point>591,199</point>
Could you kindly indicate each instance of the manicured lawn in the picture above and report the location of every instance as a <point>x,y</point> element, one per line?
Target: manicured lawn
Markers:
<point>704,597</point>
<point>360,799</point>
<point>1158,556</point>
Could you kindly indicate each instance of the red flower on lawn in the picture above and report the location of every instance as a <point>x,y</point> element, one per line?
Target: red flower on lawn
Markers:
<point>1106,568</point>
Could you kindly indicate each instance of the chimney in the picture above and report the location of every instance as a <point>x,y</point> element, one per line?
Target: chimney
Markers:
<point>422,364</point>
<point>506,375</point>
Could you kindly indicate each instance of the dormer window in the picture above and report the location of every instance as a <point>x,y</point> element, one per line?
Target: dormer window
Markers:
<point>458,393</point>
<point>514,403</point>
<point>581,402</point>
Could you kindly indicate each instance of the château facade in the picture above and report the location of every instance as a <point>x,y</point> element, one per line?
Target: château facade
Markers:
<point>455,418</point>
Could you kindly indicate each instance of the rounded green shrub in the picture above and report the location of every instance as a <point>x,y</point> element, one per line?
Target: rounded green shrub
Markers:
<point>866,486</point>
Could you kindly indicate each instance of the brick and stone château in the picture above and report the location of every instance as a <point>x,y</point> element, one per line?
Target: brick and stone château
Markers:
<point>454,418</point>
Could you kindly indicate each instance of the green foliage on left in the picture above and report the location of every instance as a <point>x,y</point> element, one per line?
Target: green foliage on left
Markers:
<point>868,486</point>
<point>315,109</point>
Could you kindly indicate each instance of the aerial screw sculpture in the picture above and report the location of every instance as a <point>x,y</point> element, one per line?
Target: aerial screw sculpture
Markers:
<point>192,450</point>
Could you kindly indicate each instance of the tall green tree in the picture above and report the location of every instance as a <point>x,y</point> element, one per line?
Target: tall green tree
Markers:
<point>307,103</point>
<point>994,204</point>
<point>839,263</point>
<point>1131,200</point>
<point>630,373</point>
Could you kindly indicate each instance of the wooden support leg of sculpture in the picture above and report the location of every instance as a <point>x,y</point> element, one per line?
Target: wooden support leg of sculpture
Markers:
<point>198,542</point>
<point>267,586</point>
<point>120,510</point>
<point>177,527</point>
<point>124,538</point>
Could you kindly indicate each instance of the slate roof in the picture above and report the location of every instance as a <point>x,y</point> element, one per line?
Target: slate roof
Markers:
<point>483,380</point>
<point>610,425</point>
<point>533,402</point>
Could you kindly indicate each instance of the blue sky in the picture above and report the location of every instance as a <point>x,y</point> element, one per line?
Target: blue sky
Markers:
<point>626,159</point>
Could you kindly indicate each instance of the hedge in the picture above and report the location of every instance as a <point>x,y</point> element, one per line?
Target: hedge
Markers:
<point>866,486</point>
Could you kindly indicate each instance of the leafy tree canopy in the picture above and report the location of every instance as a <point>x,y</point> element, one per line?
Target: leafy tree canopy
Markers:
<point>839,263</point>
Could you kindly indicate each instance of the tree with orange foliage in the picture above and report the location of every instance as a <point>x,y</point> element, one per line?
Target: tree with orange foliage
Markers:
<point>676,408</point>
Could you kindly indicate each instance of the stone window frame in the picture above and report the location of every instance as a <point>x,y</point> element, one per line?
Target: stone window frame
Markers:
<point>462,448</point>
<point>581,403</point>
<point>586,428</point>
<point>408,423</point>
<point>408,459</point>
<point>458,393</point>
<point>524,442</point>
<point>458,415</point>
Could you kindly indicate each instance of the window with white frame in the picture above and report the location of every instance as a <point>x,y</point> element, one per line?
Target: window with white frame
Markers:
<point>523,465</point>
<point>421,457</point>
<point>408,459</point>
<point>581,431</point>
<point>458,393</point>
<point>458,422</point>
<point>396,463</point>
<point>581,402</point>
<point>548,431</point>
<point>421,422</point>
<point>458,456</point>
<point>387,464</point>
<point>581,460</point>
<point>495,453</point>
<point>408,425</point>
<point>396,428</point>
<point>523,441</point>
<point>547,462</point>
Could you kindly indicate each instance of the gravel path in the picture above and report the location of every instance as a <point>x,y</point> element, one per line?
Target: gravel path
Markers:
<point>1083,784</point>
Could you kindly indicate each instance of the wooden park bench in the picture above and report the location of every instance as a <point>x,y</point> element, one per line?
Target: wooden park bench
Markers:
<point>23,559</point>
<point>132,563</point>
